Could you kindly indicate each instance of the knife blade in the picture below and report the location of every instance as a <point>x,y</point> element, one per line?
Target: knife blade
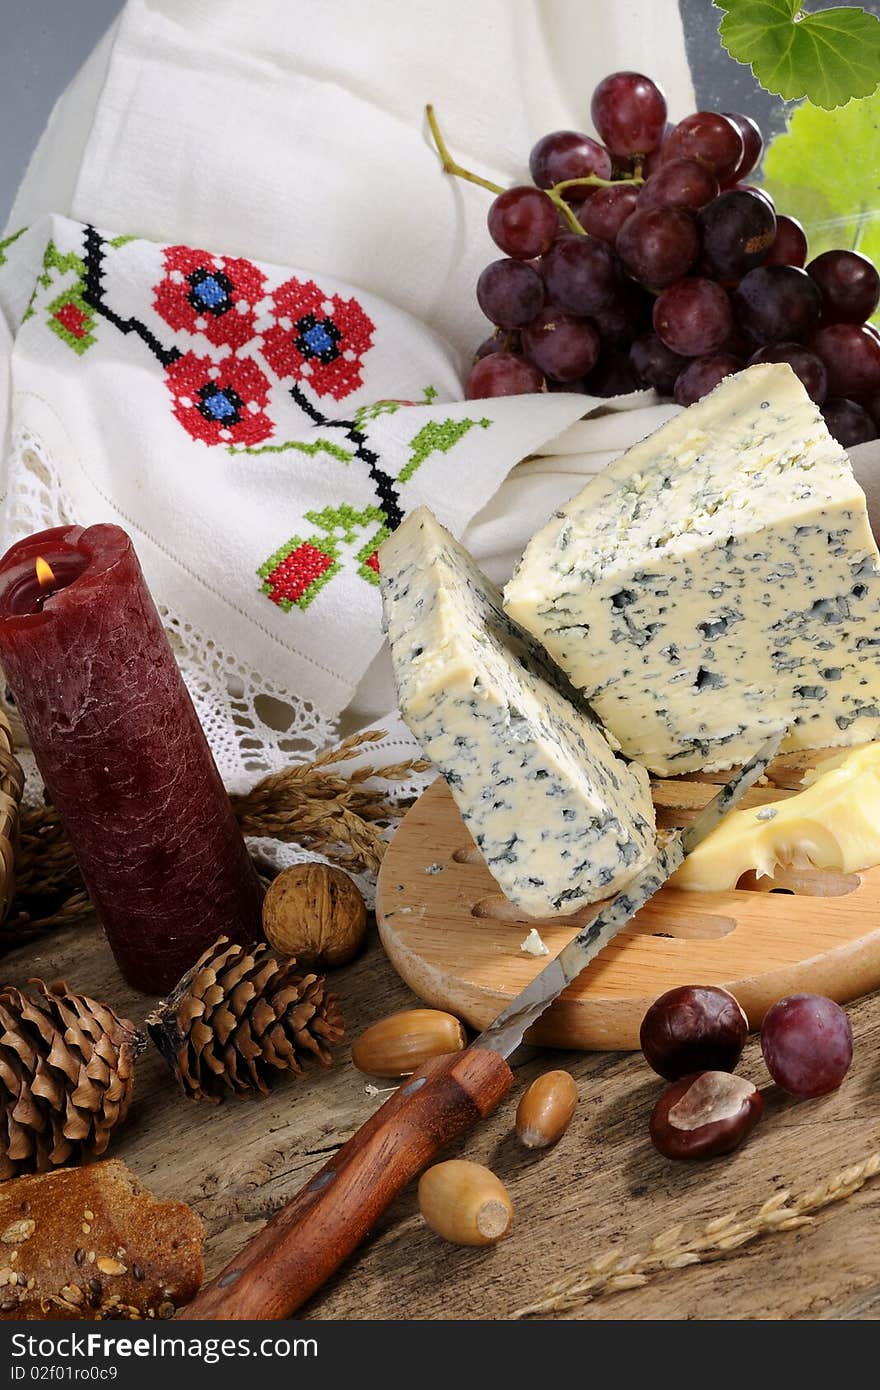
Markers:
<point>505,1033</point>
<point>307,1240</point>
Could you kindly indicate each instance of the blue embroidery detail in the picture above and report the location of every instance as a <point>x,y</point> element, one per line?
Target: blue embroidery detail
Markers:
<point>217,404</point>
<point>210,292</point>
<point>317,338</point>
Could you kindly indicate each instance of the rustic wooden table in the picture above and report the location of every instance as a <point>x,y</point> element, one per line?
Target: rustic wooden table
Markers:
<point>602,1187</point>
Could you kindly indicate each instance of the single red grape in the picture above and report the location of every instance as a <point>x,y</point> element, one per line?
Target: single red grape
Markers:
<point>849,284</point>
<point>738,229</point>
<point>502,374</point>
<point>807,1044</point>
<point>753,144</point>
<point>693,317</point>
<point>605,212</point>
<point>561,347</point>
<point>655,364</point>
<point>778,304</point>
<point>523,222</point>
<point>851,353</point>
<point>567,154</point>
<point>682,183</point>
<point>658,245</point>
<point>629,112</point>
<point>702,375</point>
<point>848,422</point>
<point>510,293</point>
<point>803,363</point>
<point>580,274</point>
<point>710,138</point>
<point>790,244</point>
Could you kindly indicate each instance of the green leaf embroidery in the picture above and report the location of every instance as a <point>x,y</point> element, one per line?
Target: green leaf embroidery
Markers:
<point>365,413</point>
<point>297,572</point>
<point>317,446</point>
<point>828,56</point>
<point>8,242</point>
<point>69,315</point>
<point>437,436</point>
<point>825,170</point>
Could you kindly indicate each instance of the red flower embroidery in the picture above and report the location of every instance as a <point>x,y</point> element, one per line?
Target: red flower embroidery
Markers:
<point>214,295</point>
<point>220,402</point>
<point>318,338</point>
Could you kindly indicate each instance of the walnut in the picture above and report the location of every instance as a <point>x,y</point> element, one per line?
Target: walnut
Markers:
<point>315,913</point>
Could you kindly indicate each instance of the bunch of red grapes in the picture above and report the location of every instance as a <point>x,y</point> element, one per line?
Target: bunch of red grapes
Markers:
<point>665,269</point>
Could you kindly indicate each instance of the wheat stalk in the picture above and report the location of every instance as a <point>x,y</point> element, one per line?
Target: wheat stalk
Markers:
<point>612,1271</point>
<point>313,804</point>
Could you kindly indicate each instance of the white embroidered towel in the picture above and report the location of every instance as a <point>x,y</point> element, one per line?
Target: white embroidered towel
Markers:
<point>258,433</point>
<point>242,419</point>
<point>293,131</point>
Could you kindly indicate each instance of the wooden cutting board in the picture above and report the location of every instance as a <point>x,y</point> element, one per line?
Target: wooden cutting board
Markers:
<point>455,939</point>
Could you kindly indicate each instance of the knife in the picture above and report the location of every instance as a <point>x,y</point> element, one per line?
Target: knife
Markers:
<point>307,1240</point>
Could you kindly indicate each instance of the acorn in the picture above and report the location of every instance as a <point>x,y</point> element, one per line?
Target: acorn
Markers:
<point>465,1203</point>
<point>396,1045</point>
<point>545,1110</point>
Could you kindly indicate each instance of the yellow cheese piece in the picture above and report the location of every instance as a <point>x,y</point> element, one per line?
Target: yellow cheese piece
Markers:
<point>833,824</point>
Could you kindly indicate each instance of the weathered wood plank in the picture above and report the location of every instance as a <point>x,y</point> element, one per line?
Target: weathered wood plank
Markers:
<point>603,1185</point>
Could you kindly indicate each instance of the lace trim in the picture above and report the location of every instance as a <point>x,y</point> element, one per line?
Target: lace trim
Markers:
<point>254,727</point>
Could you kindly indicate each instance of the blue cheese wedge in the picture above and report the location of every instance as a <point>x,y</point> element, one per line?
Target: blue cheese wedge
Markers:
<point>719,582</point>
<point>560,820</point>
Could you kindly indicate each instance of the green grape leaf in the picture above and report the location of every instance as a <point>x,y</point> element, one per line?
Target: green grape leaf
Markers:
<point>828,56</point>
<point>825,171</point>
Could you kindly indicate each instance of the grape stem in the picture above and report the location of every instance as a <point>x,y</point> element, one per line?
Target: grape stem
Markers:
<point>451,166</point>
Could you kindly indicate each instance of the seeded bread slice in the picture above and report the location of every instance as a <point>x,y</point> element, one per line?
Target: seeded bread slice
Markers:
<point>93,1242</point>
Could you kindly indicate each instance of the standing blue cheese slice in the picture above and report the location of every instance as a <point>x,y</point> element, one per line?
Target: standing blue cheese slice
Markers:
<point>719,582</point>
<point>560,820</point>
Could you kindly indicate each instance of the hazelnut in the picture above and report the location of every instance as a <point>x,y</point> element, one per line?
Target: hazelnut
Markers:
<point>706,1114</point>
<point>545,1110</point>
<point>693,1028</point>
<point>396,1045</point>
<point>465,1203</point>
<point>315,913</point>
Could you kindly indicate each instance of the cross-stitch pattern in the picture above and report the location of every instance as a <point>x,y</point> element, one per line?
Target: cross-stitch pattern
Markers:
<point>297,333</point>
<point>219,402</point>
<point>318,338</point>
<point>299,569</point>
<point>69,315</point>
<point>7,242</point>
<point>438,436</point>
<point>213,295</point>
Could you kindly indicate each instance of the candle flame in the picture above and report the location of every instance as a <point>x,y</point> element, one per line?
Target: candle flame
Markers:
<point>45,575</point>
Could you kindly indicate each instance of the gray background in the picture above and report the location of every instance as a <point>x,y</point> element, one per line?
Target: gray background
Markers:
<point>45,41</point>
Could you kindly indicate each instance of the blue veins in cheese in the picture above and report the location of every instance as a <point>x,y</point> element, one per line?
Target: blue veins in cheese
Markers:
<point>717,583</point>
<point>560,820</point>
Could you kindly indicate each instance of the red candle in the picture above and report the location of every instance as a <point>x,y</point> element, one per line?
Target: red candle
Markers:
<point>122,752</point>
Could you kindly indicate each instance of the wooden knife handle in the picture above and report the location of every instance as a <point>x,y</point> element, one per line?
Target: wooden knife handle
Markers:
<point>306,1241</point>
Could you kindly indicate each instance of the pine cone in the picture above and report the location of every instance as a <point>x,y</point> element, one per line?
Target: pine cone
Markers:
<point>239,1018</point>
<point>66,1076</point>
